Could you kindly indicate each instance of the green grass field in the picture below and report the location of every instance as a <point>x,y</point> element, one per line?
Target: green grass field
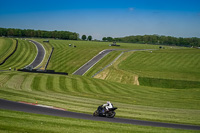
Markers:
<point>171,68</point>
<point>7,46</point>
<point>23,56</point>
<point>69,59</point>
<point>17,122</point>
<point>84,94</point>
<point>180,64</point>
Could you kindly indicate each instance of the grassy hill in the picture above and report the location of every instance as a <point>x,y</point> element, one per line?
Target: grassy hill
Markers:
<point>169,68</point>
<point>82,94</point>
<point>7,46</point>
<point>23,56</point>
<point>180,64</point>
<point>85,94</point>
<point>69,59</point>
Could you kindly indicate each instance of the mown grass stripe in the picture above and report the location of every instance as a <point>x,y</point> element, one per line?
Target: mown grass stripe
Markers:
<point>15,82</point>
<point>56,84</point>
<point>43,83</point>
<point>26,85</point>
<point>93,86</point>
<point>4,79</point>
<point>100,87</point>
<point>62,83</point>
<point>109,88</point>
<point>49,83</point>
<point>120,89</point>
<point>87,86</point>
<point>68,83</point>
<point>36,83</point>
<point>74,85</point>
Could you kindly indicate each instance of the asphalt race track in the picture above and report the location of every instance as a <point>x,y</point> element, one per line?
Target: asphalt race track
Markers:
<point>40,54</point>
<point>92,62</point>
<point>10,105</point>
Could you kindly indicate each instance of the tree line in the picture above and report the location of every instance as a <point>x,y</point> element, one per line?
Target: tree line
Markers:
<point>157,39</point>
<point>11,32</point>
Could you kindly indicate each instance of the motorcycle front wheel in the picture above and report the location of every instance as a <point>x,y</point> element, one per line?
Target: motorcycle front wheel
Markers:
<point>110,114</point>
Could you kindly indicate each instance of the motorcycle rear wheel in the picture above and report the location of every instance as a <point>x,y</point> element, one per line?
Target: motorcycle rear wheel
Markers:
<point>95,113</point>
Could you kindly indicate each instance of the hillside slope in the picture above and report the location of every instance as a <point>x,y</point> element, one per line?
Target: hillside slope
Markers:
<point>23,56</point>
<point>82,94</point>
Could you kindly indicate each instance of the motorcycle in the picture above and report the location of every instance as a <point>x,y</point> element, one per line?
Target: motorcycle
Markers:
<point>101,111</point>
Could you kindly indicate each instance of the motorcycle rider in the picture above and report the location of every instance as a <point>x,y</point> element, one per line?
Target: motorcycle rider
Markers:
<point>108,105</point>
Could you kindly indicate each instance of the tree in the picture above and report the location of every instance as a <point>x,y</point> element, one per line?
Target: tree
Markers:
<point>110,39</point>
<point>89,38</point>
<point>73,37</point>
<point>84,37</point>
<point>10,32</point>
<point>104,38</point>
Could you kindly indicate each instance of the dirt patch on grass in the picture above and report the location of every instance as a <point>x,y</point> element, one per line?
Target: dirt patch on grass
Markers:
<point>102,75</point>
<point>114,73</point>
<point>136,81</point>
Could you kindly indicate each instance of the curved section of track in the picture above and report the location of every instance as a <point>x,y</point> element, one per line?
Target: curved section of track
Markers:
<point>40,55</point>
<point>10,105</point>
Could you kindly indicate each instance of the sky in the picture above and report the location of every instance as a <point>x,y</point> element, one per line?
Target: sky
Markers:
<point>103,18</point>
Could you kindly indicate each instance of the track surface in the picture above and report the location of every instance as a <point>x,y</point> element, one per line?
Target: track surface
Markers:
<point>40,54</point>
<point>10,105</point>
<point>92,62</point>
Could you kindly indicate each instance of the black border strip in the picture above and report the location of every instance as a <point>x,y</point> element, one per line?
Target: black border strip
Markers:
<point>49,58</point>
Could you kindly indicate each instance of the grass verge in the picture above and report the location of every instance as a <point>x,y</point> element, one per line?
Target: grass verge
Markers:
<point>13,121</point>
